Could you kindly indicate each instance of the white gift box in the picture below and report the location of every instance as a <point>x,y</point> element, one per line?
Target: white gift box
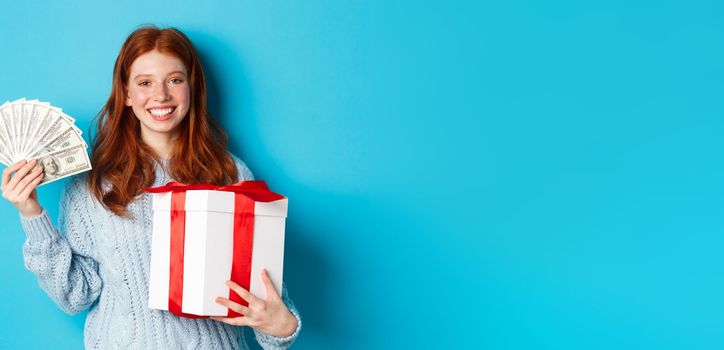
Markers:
<point>208,249</point>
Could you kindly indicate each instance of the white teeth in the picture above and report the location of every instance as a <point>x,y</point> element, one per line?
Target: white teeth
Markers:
<point>160,112</point>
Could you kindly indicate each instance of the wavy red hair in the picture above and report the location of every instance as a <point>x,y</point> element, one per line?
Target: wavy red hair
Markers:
<point>122,162</point>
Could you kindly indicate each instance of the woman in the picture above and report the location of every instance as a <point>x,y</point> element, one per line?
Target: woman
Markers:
<point>154,129</point>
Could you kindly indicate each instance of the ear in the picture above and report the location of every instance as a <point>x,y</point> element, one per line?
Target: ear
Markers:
<point>128,100</point>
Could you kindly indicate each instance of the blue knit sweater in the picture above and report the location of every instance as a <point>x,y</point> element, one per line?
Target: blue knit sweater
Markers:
<point>101,261</point>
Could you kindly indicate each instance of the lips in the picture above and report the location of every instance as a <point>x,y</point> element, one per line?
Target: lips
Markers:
<point>161,113</point>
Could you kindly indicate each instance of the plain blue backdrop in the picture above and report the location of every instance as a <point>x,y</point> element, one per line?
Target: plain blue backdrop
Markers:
<point>461,174</point>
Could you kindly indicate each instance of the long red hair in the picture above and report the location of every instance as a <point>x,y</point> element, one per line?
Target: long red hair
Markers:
<point>122,162</point>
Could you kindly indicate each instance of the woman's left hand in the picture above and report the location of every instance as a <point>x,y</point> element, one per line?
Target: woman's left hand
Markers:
<point>270,316</point>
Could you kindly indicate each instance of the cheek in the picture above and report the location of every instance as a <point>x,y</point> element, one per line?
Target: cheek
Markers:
<point>137,99</point>
<point>185,95</point>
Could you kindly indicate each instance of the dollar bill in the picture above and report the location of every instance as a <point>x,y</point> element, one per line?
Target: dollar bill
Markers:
<point>5,154</point>
<point>64,163</point>
<point>3,151</point>
<point>69,138</point>
<point>43,120</point>
<point>16,119</point>
<point>25,122</point>
<point>58,127</point>
<point>6,114</point>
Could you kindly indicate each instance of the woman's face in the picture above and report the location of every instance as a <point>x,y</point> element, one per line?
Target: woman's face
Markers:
<point>158,92</point>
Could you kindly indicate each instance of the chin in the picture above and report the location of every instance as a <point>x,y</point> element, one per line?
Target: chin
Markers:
<point>166,128</point>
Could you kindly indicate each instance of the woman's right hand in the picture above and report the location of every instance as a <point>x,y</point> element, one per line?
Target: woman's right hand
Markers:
<point>19,189</point>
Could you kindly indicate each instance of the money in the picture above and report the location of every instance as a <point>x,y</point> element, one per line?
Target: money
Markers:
<point>30,129</point>
<point>64,163</point>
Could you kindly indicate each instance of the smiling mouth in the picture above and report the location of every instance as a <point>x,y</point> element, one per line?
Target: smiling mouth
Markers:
<point>161,112</point>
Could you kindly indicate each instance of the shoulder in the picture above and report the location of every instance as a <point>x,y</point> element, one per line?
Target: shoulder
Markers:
<point>76,190</point>
<point>76,185</point>
<point>244,174</point>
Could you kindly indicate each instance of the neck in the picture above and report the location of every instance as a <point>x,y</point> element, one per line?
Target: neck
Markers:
<point>160,143</point>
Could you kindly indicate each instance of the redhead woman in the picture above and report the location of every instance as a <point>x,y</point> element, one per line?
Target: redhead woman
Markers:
<point>155,128</point>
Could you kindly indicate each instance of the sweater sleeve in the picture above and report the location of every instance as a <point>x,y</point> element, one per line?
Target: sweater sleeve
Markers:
<point>270,342</point>
<point>62,262</point>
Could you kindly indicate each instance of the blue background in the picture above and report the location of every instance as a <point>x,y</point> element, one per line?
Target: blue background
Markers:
<point>494,174</point>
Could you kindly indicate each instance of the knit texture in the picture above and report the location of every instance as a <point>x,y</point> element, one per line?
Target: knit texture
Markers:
<point>101,261</point>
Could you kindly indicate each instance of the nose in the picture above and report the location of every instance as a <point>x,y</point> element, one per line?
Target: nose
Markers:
<point>161,92</point>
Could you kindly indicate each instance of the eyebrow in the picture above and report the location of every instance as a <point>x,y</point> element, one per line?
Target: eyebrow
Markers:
<point>170,73</point>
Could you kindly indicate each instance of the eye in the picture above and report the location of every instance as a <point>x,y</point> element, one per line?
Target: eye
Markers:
<point>176,81</point>
<point>144,83</point>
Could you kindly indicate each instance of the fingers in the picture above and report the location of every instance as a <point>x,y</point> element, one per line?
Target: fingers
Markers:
<point>32,175</point>
<point>244,311</point>
<point>238,308</point>
<point>20,174</point>
<point>234,321</point>
<point>243,293</point>
<point>31,186</point>
<point>271,292</point>
<point>270,316</point>
<point>9,170</point>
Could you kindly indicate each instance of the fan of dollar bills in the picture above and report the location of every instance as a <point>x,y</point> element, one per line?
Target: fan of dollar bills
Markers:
<point>30,129</point>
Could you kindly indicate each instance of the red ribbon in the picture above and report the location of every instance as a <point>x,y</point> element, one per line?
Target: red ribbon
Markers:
<point>245,194</point>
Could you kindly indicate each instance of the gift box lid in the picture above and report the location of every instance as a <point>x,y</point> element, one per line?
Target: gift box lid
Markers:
<point>218,201</point>
<point>275,208</point>
<point>208,200</point>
